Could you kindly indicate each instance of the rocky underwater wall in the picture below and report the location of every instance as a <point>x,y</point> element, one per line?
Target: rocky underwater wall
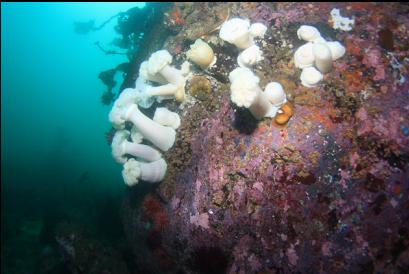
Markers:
<point>327,191</point>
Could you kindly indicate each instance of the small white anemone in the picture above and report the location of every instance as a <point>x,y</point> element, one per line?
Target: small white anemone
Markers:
<point>244,86</point>
<point>250,56</point>
<point>159,63</point>
<point>127,97</point>
<point>201,54</point>
<point>245,92</point>
<point>134,171</point>
<point>144,72</point>
<point>143,99</point>
<point>322,56</point>
<point>136,136</point>
<point>131,172</point>
<point>304,56</point>
<point>310,77</point>
<point>275,93</point>
<point>185,68</point>
<point>236,31</point>
<point>161,136</point>
<point>163,90</point>
<point>308,33</point>
<point>337,49</point>
<point>166,117</point>
<point>319,40</point>
<point>121,146</point>
<point>258,30</point>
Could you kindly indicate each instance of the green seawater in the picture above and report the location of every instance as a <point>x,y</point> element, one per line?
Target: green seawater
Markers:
<point>56,164</point>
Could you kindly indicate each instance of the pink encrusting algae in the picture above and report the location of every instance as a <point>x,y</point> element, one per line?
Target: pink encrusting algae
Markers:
<point>328,191</point>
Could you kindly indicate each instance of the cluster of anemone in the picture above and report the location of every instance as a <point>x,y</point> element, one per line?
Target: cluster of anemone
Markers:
<point>316,56</point>
<point>141,161</point>
<point>159,80</point>
<point>245,89</point>
<point>169,81</point>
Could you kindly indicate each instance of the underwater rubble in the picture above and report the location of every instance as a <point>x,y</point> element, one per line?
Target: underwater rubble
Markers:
<point>325,193</point>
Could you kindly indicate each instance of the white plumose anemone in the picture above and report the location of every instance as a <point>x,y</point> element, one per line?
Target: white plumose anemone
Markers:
<point>250,56</point>
<point>337,50</point>
<point>308,33</point>
<point>245,92</point>
<point>144,73</point>
<point>275,93</point>
<point>258,30</point>
<point>310,77</point>
<point>166,117</point>
<point>127,97</point>
<point>322,56</point>
<point>201,54</point>
<point>159,67</point>
<point>134,171</point>
<point>236,31</point>
<point>304,56</point>
<point>161,136</point>
<point>316,56</point>
<point>121,146</point>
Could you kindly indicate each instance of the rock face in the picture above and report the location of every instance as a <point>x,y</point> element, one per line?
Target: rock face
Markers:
<point>328,192</point>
